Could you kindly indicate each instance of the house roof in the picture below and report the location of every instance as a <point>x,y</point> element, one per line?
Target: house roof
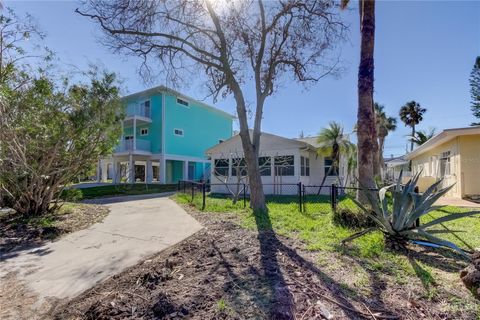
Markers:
<point>160,89</point>
<point>300,143</point>
<point>396,161</point>
<point>313,141</point>
<point>442,137</point>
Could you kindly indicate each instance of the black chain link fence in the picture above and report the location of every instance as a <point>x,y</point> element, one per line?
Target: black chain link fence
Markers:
<point>308,198</point>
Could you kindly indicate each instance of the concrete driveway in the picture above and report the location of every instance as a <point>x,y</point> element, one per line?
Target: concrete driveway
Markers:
<point>136,227</point>
<point>457,202</point>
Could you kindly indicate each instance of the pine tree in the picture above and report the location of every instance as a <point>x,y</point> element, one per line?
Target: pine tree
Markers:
<point>475,90</point>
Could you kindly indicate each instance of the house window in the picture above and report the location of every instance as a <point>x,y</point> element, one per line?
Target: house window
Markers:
<point>445,164</point>
<point>178,132</point>
<point>265,164</point>
<point>284,166</point>
<point>145,109</point>
<point>128,137</point>
<point>304,166</point>
<point>182,102</point>
<point>144,132</point>
<point>221,167</point>
<point>327,164</point>
<point>239,167</point>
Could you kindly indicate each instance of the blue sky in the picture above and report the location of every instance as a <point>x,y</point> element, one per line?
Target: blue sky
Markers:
<point>424,51</point>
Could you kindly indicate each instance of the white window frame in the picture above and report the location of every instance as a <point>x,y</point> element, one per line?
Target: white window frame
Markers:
<point>184,100</point>
<point>304,166</point>
<point>447,157</point>
<point>144,131</point>
<point>177,134</point>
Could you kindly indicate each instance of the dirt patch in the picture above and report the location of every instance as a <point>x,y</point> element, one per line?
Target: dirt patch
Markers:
<point>18,232</point>
<point>227,272</point>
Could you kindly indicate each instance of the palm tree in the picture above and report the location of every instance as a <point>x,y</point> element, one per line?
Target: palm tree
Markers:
<point>351,164</point>
<point>412,114</point>
<point>333,143</point>
<point>422,136</point>
<point>384,125</point>
<point>366,131</point>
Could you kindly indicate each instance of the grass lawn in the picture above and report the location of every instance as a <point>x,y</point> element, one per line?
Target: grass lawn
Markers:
<point>125,190</point>
<point>432,275</point>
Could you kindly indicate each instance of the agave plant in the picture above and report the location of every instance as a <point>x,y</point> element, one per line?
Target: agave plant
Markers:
<point>398,222</point>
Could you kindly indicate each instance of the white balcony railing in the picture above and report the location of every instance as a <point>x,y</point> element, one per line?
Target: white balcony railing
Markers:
<point>139,110</point>
<point>128,145</point>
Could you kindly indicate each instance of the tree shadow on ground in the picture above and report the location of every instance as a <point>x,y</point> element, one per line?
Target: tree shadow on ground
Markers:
<point>19,233</point>
<point>283,306</point>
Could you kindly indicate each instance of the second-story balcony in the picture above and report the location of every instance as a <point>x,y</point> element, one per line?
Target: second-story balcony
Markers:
<point>139,146</point>
<point>140,113</point>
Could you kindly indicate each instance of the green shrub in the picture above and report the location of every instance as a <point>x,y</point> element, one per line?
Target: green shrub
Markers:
<point>72,195</point>
<point>351,218</point>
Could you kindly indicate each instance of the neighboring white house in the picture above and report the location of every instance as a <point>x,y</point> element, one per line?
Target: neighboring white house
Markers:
<point>283,163</point>
<point>393,167</point>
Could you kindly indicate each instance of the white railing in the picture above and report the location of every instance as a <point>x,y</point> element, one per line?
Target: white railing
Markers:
<point>128,145</point>
<point>139,110</point>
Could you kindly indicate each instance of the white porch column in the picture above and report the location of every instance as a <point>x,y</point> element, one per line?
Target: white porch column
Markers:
<point>149,172</point>
<point>131,170</point>
<point>104,166</point>
<point>185,170</point>
<point>99,173</point>
<point>135,133</point>
<point>116,171</point>
<point>296,166</point>
<point>162,171</point>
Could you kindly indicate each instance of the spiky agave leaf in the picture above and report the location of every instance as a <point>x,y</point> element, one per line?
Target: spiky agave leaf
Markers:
<point>453,216</point>
<point>439,241</point>
<point>382,223</point>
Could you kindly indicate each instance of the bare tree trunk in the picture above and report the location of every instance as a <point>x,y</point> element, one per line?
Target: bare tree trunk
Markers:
<point>366,134</point>
<point>250,150</point>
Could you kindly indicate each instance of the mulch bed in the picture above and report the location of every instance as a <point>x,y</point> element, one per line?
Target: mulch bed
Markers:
<point>227,272</point>
<point>18,232</point>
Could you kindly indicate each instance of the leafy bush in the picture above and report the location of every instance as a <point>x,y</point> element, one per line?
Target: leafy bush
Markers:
<point>398,224</point>
<point>72,195</point>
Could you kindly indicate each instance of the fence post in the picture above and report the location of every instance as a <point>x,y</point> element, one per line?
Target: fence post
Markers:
<point>203,195</point>
<point>304,198</point>
<point>184,187</point>
<point>333,197</point>
<point>417,222</point>
<point>193,191</point>
<point>300,195</point>
<point>178,185</point>
<point>244,196</point>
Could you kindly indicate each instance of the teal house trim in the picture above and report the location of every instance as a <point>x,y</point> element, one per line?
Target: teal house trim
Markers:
<point>165,136</point>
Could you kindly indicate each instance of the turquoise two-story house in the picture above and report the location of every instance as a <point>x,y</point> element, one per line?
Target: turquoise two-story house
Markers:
<point>165,136</point>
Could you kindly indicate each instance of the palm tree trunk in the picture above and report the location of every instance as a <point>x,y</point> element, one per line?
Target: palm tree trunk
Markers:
<point>413,136</point>
<point>381,144</point>
<point>366,135</point>
<point>324,178</point>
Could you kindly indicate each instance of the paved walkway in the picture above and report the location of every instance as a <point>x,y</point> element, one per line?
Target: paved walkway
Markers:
<point>136,227</point>
<point>457,202</point>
